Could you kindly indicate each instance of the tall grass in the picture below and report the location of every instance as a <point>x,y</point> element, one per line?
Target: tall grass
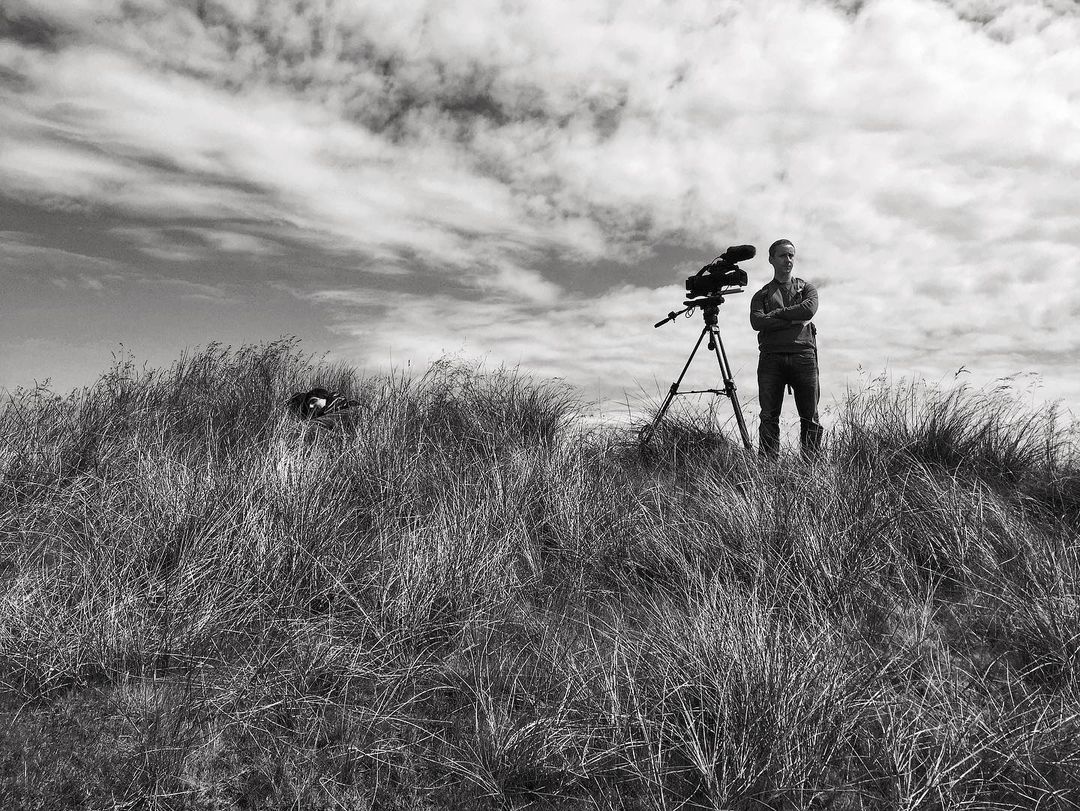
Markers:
<point>466,597</point>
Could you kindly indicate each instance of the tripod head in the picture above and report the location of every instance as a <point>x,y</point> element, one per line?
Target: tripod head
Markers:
<point>710,307</point>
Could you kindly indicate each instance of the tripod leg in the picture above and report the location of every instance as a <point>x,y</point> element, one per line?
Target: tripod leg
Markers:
<point>739,418</point>
<point>650,429</point>
<point>729,384</point>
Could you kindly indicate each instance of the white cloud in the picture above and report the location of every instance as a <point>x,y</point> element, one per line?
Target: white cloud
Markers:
<point>188,289</point>
<point>924,156</point>
<point>20,255</point>
<point>186,244</point>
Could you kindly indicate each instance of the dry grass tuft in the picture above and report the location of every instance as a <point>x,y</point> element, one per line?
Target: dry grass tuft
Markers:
<point>464,598</point>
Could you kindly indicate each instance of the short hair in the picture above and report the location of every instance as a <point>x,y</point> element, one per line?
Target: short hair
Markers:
<point>778,243</point>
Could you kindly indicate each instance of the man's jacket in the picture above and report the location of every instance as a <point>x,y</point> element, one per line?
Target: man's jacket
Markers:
<point>782,318</point>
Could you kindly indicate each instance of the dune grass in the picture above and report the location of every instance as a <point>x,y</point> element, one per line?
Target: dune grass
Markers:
<point>467,597</point>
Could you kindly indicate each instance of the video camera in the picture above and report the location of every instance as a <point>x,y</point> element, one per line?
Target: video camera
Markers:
<point>721,274</point>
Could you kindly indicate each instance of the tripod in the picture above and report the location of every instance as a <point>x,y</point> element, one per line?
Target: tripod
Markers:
<point>710,308</point>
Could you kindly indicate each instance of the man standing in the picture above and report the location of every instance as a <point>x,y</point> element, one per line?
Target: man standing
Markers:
<point>781,313</point>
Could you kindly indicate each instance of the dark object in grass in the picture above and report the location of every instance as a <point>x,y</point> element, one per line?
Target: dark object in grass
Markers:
<point>323,407</point>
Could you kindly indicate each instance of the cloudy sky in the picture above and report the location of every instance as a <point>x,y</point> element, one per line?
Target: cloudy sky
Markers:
<point>530,182</point>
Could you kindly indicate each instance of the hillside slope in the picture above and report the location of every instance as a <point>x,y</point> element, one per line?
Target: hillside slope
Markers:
<point>467,598</point>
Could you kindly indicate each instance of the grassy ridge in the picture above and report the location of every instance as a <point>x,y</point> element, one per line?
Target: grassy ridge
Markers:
<point>468,599</point>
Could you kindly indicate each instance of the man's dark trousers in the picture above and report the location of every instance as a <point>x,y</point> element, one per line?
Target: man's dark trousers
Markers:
<point>798,370</point>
